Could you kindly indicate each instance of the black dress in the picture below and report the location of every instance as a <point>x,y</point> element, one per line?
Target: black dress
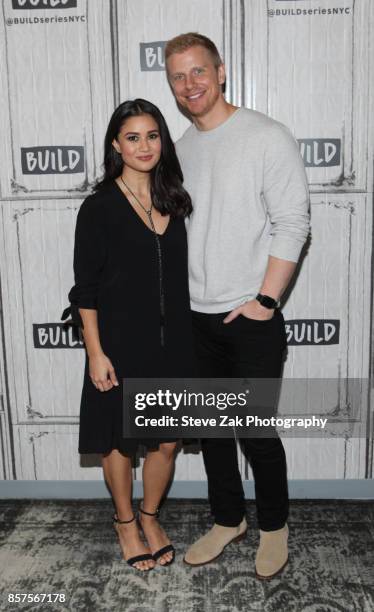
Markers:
<point>116,271</point>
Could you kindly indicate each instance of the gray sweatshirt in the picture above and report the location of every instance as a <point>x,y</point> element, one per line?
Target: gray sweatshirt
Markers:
<point>249,190</point>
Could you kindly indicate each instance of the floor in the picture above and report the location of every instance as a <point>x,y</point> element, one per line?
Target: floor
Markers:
<point>70,547</point>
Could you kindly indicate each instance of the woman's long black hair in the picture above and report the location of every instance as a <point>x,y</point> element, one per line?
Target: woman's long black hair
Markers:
<point>167,191</point>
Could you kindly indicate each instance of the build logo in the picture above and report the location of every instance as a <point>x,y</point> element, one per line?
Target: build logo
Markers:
<point>52,160</point>
<point>320,152</point>
<point>56,336</point>
<point>300,332</point>
<point>43,4</point>
<point>312,331</point>
<point>152,56</point>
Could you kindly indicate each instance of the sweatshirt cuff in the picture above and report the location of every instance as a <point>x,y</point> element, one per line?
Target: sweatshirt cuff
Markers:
<point>284,248</point>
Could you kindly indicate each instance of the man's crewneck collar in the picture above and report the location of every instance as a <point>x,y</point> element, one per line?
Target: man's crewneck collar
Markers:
<point>218,127</point>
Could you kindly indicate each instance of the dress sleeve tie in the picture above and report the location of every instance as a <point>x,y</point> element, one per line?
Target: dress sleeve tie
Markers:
<point>89,259</point>
<point>72,310</point>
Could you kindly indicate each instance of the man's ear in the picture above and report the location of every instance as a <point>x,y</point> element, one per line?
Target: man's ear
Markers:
<point>221,74</point>
<point>116,145</point>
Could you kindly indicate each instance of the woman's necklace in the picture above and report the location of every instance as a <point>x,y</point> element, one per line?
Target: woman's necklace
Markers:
<point>159,257</point>
<point>148,212</point>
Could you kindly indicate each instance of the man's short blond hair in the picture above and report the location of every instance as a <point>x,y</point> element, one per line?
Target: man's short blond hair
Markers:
<point>181,43</point>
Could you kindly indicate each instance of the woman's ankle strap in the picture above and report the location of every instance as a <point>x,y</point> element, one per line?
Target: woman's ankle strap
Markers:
<point>149,513</point>
<point>116,520</point>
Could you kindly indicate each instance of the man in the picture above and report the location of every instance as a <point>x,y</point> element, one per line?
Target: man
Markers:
<point>247,181</point>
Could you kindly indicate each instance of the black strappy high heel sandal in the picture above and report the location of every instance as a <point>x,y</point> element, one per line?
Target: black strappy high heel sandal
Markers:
<point>137,558</point>
<point>164,549</point>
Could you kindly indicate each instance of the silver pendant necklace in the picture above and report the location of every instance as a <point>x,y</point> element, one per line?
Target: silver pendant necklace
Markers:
<point>148,212</point>
<point>159,258</point>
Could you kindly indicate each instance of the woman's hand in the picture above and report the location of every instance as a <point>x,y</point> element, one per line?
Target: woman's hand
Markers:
<point>102,372</point>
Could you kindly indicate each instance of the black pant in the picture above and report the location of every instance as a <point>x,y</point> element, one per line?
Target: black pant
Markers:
<point>252,349</point>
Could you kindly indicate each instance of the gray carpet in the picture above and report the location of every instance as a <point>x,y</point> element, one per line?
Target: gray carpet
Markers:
<point>70,547</point>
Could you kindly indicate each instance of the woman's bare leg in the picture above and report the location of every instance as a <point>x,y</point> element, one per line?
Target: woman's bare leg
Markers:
<point>157,471</point>
<point>117,473</point>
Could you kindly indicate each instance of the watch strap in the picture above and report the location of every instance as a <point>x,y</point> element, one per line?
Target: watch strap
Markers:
<point>267,301</point>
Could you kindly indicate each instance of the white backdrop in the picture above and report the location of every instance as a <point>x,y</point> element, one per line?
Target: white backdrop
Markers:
<point>65,65</point>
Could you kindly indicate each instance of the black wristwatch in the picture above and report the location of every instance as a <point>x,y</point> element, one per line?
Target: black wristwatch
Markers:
<point>267,301</point>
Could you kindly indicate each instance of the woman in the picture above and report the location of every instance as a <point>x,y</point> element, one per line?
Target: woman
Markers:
<point>131,300</point>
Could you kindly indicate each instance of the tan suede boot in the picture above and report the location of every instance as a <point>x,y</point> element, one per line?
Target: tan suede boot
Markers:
<point>272,553</point>
<point>212,544</point>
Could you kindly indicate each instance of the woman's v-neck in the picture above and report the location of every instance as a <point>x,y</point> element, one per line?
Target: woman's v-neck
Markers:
<point>138,216</point>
